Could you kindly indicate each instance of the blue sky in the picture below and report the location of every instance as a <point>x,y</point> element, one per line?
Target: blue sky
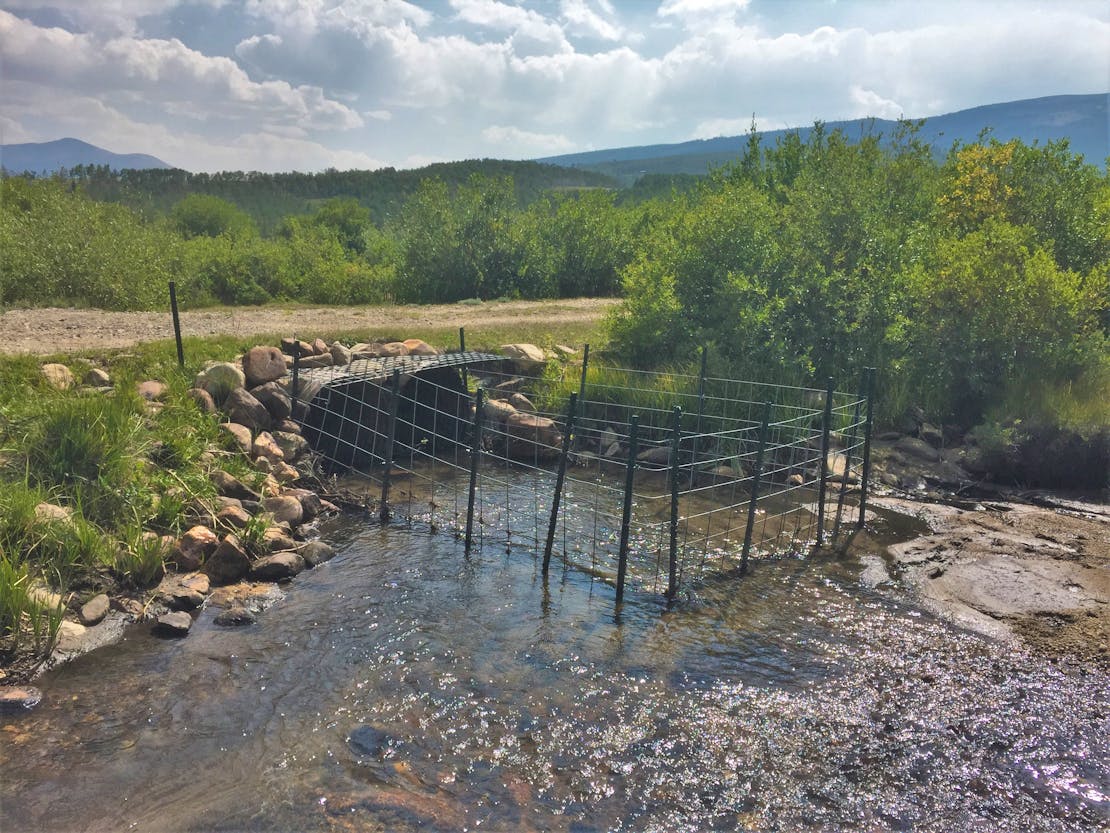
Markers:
<point>310,84</point>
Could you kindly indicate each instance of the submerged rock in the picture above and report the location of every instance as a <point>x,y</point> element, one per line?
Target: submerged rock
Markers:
<point>236,616</point>
<point>174,624</point>
<point>315,553</point>
<point>19,698</point>
<point>281,565</point>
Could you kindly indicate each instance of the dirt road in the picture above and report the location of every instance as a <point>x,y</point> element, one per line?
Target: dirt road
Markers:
<point>46,331</point>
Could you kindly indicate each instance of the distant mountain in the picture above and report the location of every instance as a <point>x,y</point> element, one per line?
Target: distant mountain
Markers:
<point>1082,119</point>
<point>49,157</point>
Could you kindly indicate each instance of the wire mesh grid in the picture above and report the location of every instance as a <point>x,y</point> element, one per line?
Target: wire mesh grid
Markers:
<point>713,471</point>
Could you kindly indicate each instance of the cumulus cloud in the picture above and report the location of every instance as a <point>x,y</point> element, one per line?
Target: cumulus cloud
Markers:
<point>583,20</point>
<point>522,143</point>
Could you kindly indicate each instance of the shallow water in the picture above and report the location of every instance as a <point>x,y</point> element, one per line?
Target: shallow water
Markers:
<point>404,687</point>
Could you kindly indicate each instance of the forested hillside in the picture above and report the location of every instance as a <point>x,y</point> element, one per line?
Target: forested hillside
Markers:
<point>269,198</point>
<point>977,284</point>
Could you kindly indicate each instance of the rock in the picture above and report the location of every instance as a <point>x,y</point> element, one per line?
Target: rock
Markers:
<point>888,436</point>
<point>363,350</point>
<point>18,698</point>
<point>522,403</point>
<point>281,565</point>
<point>193,548</point>
<point>931,434</point>
<point>918,448</point>
<point>276,539</point>
<point>836,464</point>
<point>416,347</point>
<point>263,465</point>
<point>527,357</point>
<point>229,486</point>
<point>276,399</point>
<point>204,400</point>
<point>310,502</point>
<point>292,445</point>
<point>284,473</point>
<point>233,517</point>
<point>94,610</point>
<point>263,364</point>
<point>291,347</point>
<point>393,349</point>
<point>564,351</point>
<point>252,595</point>
<point>286,426</point>
<point>370,741</point>
<point>285,509</point>
<point>72,638</point>
<point>795,480</point>
<point>51,512</point>
<point>322,360</point>
<point>319,347</point>
<point>270,487</point>
<point>152,390</point>
<point>243,408</point>
<point>235,616</point>
<point>315,553</point>
<point>220,379</point>
<point>497,411</point>
<point>614,450</point>
<point>658,456</point>
<point>888,479</point>
<point>58,376</point>
<point>184,592</point>
<point>97,378</point>
<point>607,440</point>
<point>45,598</point>
<point>340,355</point>
<point>228,563</point>
<point>240,434</point>
<point>530,436</point>
<point>265,446</point>
<point>174,624</point>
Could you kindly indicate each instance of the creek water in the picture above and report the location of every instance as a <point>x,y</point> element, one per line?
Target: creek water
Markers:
<point>402,686</point>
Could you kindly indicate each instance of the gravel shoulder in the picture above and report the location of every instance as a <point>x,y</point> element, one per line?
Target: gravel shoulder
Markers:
<point>47,331</point>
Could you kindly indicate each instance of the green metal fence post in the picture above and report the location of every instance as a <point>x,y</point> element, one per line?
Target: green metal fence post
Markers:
<point>391,436</point>
<point>626,513</point>
<point>822,465</point>
<point>865,477</point>
<point>475,459</point>
<point>756,477</point>
<point>672,559</point>
<point>560,476</point>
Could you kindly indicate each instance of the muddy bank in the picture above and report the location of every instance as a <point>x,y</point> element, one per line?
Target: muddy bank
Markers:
<point>1014,570</point>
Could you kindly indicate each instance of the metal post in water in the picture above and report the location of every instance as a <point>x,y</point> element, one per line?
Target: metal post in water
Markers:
<point>826,424</point>
<point>176,324</point>
<point>866,473</point>
<point>851,441</point>
<point>560,476</point>
<point>755,487</point>
<point>672,560</point>
<point>475,459</point>
<point>391,436</point>
<point>701,413</point>
<point>626,514</point>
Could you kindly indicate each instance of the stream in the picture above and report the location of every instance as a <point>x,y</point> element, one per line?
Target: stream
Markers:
<point>403,686</point>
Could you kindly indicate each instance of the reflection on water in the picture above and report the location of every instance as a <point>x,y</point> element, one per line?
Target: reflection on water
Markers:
<point>403,687</point>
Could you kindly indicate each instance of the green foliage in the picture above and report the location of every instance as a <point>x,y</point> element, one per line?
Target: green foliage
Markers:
<point>201,215</point>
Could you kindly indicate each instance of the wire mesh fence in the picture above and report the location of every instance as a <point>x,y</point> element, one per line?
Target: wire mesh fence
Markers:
<point>633,476</point>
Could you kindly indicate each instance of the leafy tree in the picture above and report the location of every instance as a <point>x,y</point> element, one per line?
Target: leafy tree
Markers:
<point>199,215</point>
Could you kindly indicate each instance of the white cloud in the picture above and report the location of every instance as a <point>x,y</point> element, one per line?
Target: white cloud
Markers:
<point>522,143</point>
<point>872,104</point>
<point>584,20</point>
<point>378,115</point>
<point>696,8</point>
<point>163,74</point>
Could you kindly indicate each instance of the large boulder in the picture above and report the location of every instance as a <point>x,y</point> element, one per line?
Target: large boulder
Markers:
<point>393,349</point>
<point>58,376</point>
<point>285,509</point>
<point>321,360</point>
<point>229,562</point>
<point>240,435</point>
<point>230,486</point>
<point>531,436</point>
<point>522,403</point>
<point>263,364</point>
<point>220,379</point>
<point>280,565</point>
<point>193,548</point>
<point>276,399</point>
<point>340,354</point>
<point>291,445</point>
<point>243,408</point>
<point>364,350</point>
<point>417,347</point>
<point>526,357</point>
<point>496,411</point>
<point>265,446</point>
<point>291,346</point>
